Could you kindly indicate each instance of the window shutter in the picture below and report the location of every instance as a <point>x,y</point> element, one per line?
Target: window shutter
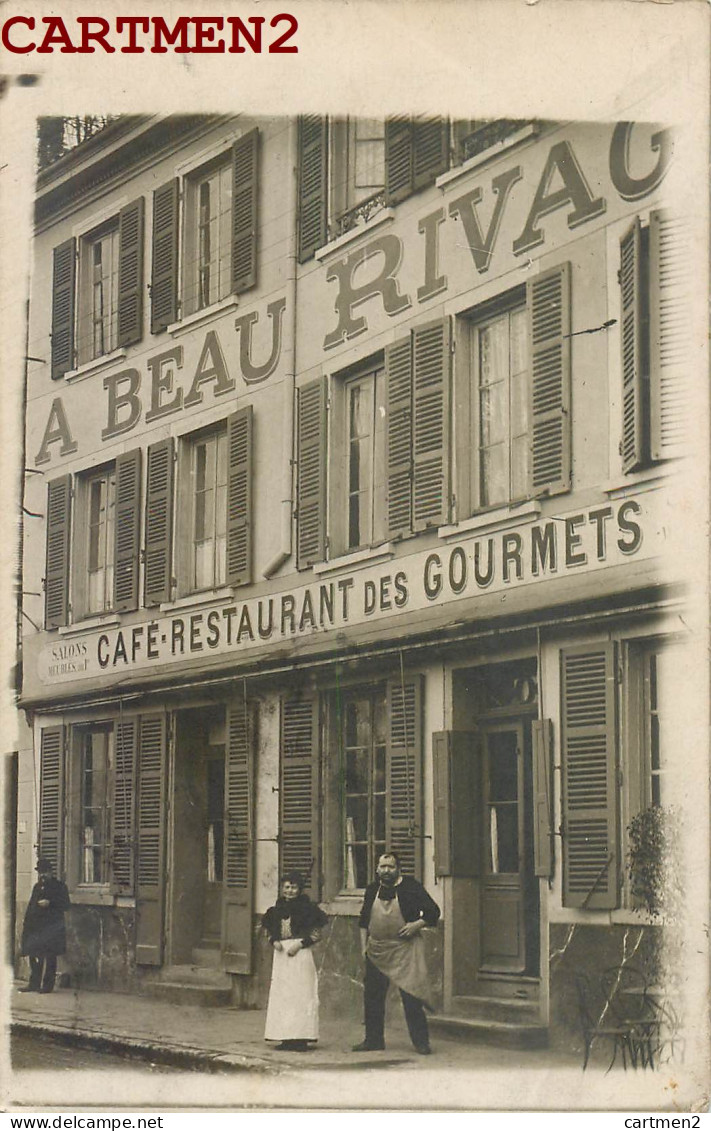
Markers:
<point>122,835</point>
<point>164,273</point>
<point>56,585</point>
<point>549,330</point>
<point>313,184</point>
<point>431,358</point>
<point>51,807</point>
<point>590,850</point>
<point>403,817</point>
<point>633,362</point>
<point>127,531</point>
<point>398,384</point>
<point>399,175</point>
<point>159,523</point>
<point>299,792</point>
<point>311,483</point>
<point>670,332</point>
<point>431,151</point>
<point>541,733</point>
<point>150,873</point>
<point>239,497</point>
<point>457,786</point>
<point>245,195</point>
<point>63,296</point>
<point>239,841</point>
<point>130,274</point>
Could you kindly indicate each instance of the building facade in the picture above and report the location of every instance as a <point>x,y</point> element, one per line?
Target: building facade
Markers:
<point>357,455</point>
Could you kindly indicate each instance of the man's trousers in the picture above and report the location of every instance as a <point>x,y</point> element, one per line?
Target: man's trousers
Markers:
<point>45,981</point>
<point>375,991</point>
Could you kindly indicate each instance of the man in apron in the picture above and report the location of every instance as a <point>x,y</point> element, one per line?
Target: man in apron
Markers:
<point>395,911</point>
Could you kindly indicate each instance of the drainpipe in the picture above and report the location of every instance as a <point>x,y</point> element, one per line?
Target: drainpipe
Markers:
<point>289,386</point>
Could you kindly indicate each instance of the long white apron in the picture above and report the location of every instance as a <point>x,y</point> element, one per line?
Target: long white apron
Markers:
<point>292,1011</point>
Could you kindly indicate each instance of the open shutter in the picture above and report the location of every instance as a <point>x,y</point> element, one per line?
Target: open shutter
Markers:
<point>311,473</point>
<point>122,833</point>
<point>130,274</point>
<point>670,330</point>
<point>457,786</point>
<point>403,817</point>
<point>127,531</point>
<point>590,849</point>
<point>239,497</point>
<point>56,584</point>
<point>313,184</point>
<point>239,842</point>
<point>541,733</point>
<point>632,341</point>
<point>398,159</point>
<point>398,461</point>
<point>430,150</point>
<point>431,359</point>
<point>150,874</point>
<point>549,334</point>
<point>63,296</point>
<point>159,523</point>
<point>299,792</point>
<point>164,272</point>
<point>245,193</point>
<point>51,801</point>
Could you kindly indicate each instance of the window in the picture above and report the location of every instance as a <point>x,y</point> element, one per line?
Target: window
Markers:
<point>650,715</point>
<point>502,427</point>
<point>476,135</point>
<point>208,456</point>
<point>358,173</point>
<point>95,780</point>
<point>364,755</point>
<point>208,255</point>
<point>100,492</point>
<point>365,455</point>
<point>98,283</point>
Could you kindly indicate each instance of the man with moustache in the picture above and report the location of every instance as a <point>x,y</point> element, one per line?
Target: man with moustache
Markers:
<point>396,909</point>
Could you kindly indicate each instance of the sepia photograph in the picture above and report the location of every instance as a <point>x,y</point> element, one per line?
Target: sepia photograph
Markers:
<point>355,592</point>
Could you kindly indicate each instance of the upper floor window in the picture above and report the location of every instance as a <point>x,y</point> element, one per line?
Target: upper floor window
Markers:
<point>503,428</point>
<point>208,464</point>
<point>100,494</point>
<point>208,252</point>
<point>365,456</point>
<point>98,283</point>
<point>358,171</point>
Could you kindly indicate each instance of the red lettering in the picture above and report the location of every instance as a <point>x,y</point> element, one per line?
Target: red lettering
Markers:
<point>132,23</point>
<point>277,47</point>
<point>56,33</point>
<point>29,22</point>
<point>98,36</point>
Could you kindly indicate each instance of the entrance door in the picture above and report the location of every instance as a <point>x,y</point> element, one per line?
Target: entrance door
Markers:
<point>504,850</point>
<point>215,826</point>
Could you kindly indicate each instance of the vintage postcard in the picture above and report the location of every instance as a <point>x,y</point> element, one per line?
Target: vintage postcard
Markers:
<point>355,551</point>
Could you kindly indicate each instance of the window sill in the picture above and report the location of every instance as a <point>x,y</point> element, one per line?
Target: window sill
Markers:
<point>97,365</point>
<point>344,905</point>
<point>347,238</point>
<point>368,556</point>
<point>197,600</point>
<point>492,520</point>
<point>526,132</point>
<point>87,623</point>
<point>646,479</point>
<point>97,896</point>
<point>191,321</point>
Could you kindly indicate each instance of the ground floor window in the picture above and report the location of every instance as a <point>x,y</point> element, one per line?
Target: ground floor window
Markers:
<point>364,739</point>
<point>95,773</point>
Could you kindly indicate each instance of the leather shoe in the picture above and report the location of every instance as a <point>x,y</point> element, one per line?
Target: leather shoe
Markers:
<point>368,1046</point>
<point>424,1050</point>
<point>27,990</point>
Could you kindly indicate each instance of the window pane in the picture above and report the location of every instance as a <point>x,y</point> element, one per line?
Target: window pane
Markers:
<point>503,838</point>
<point>503,766</point>
<point>357,771</point>
<point>379,818</point>
<point>494,414</point>
<point>519,341</point>
<point>520,451</point>
<point>357,812</point>
<point>519,404</point>
<point>493,352</point>
<point>494,485</point>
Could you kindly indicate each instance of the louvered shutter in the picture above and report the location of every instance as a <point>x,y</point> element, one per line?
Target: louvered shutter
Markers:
<point>403,816</point>
<point>299,792</point>
<point>239,841</point>
<point>164,271</point>
<point>633,361</point>
<point>430,151</point>
<point>541,734</point>
<point>159,523</point>
<point>239,497</point>
<point>150,867</point>
<point>398,459</point>
<point>245,198</point>
<point>56,591</point>
<point>127,530</point>
<point>549,335</point>
<point>590,848</point>
<point>457,788</point>
<point>130,273</point>
<point>51,800</point>
<point>670,334</point>
<point>313,184</point>
<point>399,156</point>
<point>431,359</point>
<point>63,298</point>
<point>311,473</point>
<point>122,833</point>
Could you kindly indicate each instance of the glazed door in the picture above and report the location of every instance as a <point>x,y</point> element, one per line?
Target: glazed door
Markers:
<point>503,881</point>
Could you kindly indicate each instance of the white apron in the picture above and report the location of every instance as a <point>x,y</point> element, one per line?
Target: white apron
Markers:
<point>401,960</point>
<point>292,1011</point>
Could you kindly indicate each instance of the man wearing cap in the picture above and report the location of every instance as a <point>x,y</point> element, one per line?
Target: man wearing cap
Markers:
<point>43,934</point>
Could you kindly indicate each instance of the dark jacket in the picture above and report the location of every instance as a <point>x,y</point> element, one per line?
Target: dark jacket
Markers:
<point>414,902</point>
<point>305,917</point>
<point>43,929</point>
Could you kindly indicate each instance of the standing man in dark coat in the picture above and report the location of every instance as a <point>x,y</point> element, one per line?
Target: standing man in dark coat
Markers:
<point>43,934</point>
<point>395,911</point>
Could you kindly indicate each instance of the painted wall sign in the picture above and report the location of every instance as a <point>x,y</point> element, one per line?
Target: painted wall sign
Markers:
<point>583,542</point>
